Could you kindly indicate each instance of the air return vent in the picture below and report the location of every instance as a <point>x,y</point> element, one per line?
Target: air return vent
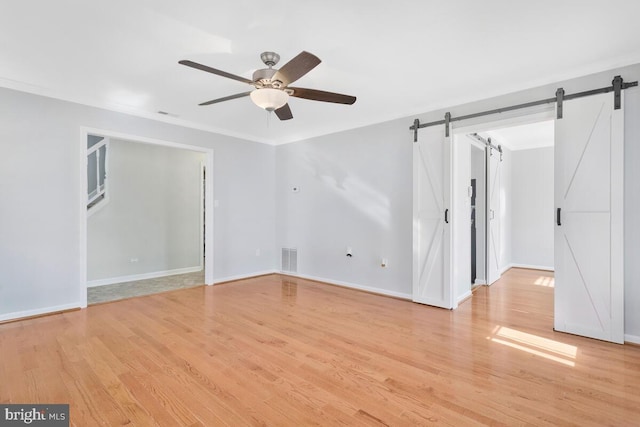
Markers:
<point>289,260</point>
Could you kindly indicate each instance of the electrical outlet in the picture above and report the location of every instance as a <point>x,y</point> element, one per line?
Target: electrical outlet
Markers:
<point>133,260</point>
<point>257,252</point>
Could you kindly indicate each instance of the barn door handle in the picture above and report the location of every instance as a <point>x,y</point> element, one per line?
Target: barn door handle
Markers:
<point>446,216</point>
<point>558,221</point>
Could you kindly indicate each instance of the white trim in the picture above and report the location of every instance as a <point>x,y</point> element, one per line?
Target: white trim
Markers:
<point>209,219</point>
<point>97,146</point>
<point>473,142</point>
<point>98,206</point>
<point>616,203</point>
<point>531,267</point>
<point>142,276</point>
<point>142,139</point>
<point>504,120</point>
<point>480,282</point>
<point>84,216</point>
<point>82,206</point>
<point>245,276</point>
<point>17,315</point>
<point>465,296</point>
<point>202,210</point>
<point>633,339</point>
<point>378,291</point>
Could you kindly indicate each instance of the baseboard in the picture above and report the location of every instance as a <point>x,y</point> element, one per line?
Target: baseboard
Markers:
<point>370,289</point>
<point>143,276</point>
<point>633,339</point>
<point>17,315</point>
<point>531,267</point>
<point>464,296</point>
<point>243,276</point>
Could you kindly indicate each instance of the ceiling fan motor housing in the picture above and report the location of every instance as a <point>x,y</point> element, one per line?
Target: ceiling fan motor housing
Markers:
<point>270,58</point>
<point>262,78</point>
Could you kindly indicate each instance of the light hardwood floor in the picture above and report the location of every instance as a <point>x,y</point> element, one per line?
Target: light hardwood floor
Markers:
<point>280,351</point>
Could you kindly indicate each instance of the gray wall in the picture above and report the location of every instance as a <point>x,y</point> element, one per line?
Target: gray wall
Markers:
<point>40,170</point>
<point>532,203</point>
<point>355,190</point>
<point>153,213</point>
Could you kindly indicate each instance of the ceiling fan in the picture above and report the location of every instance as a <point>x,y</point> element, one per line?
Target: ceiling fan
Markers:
<point>271,85</point>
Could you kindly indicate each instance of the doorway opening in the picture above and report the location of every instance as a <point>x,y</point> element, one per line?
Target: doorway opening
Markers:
<point>477,215</point>
<point>503,183</point>
<point>151,236</point>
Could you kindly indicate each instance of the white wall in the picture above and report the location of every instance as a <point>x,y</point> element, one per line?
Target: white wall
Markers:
<point>40,158</point>
<point>355,190</point>
<point>506,210</point>
<point>532,208</point>
<point>153,215</point>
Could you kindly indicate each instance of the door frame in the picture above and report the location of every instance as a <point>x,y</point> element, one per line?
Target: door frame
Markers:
<point>523,117</point>
<point>479,146</point>
<point>82,206</point>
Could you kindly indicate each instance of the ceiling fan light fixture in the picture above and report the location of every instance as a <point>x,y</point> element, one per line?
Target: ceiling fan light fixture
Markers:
<point>268,98</point>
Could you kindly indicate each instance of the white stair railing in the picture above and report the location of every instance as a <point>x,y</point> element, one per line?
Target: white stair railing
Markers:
<point>97,192</point>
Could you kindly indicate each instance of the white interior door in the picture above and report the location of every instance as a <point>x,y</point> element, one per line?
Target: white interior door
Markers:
<point>431,217</point>
<point>494,183</point>
<point>589,252</point>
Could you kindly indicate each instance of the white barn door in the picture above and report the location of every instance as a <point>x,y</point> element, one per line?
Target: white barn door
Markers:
<point>431,219</point>
<point>589,252</point>
<point>494,185</point>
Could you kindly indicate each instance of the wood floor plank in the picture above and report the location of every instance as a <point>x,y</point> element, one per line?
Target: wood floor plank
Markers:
<point>282,351</point>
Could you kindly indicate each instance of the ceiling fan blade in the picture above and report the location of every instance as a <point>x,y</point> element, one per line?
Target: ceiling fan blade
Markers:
<point>284,112</point>
<point>296,68</point>
<point>214,71</point>
<point>320,95</point>
<point>226,98</point>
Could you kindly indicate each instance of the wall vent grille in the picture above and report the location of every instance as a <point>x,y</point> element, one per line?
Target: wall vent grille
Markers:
<point>289,260</point>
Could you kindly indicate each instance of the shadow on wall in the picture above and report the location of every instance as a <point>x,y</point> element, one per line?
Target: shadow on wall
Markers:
<point>358,193</point>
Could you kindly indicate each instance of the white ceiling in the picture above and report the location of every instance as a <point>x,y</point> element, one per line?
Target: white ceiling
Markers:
<point>524,137</point>
<point>399,57</point>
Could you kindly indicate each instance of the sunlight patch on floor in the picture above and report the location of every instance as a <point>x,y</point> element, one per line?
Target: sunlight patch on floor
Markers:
<point>533,344</point>
<point>546,281</point>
